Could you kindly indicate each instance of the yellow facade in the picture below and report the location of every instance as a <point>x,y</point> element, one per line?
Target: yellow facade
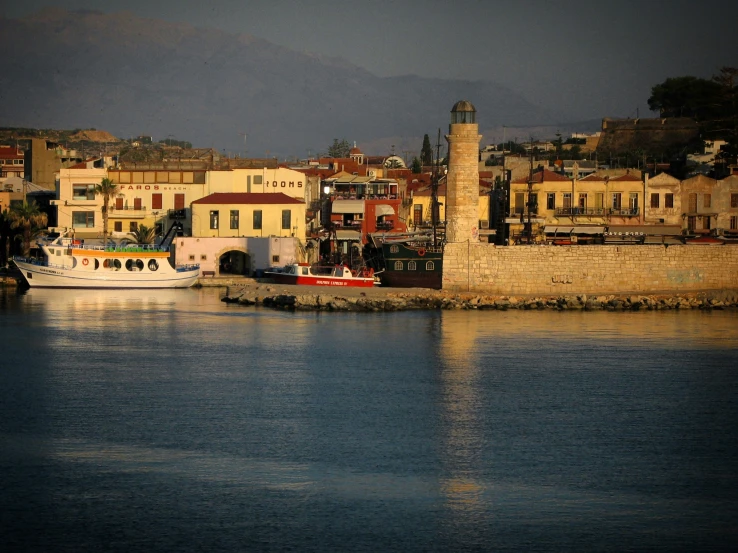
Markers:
<point>238,219</point>
<point>78,208</point>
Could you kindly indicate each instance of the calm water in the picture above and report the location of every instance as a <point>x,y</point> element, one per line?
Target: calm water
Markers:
<point>170,421</point>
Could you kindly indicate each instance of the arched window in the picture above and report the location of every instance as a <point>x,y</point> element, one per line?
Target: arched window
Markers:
<point>398,266</point>
<point>411,266</point>
<point>429,266</point>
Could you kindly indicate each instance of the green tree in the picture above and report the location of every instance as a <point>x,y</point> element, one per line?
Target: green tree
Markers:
<point>685,97</point>
<point>107,189</point>
<point>417,167</point>
<point>339,148</point>
<point>29,219</point>
<point>142,235</point>
<point>426,153</point>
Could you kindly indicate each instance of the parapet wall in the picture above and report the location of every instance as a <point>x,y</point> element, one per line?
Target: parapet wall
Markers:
<point>556,270</point>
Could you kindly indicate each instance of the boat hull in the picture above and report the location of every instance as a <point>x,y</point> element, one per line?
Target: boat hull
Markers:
<point>43,276</point>
<point>303,274</point>
<point>408,266</point>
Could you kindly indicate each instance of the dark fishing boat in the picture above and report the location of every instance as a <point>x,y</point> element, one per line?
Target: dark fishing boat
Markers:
<point>413,260</point>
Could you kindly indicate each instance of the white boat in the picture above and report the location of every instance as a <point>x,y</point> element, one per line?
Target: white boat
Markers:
<point>69,263</point>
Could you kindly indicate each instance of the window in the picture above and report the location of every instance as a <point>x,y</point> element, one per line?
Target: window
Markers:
<point>83,219</point>
<point>417,214</point>
<point>654,201</point>
<point>133,226</point>
<point>156,202</point>
<point>706,222</point>
<point>234,219</point>
<point>519,202</point>
<point>633,202</point>
<point>582,202</point>
<point>533,203</point>
<point>257,219</point>
<point>669,201</point>
<point>567,200</point>
<point>398,266</point>
<point>118,203</point>
<point>286,219</point>
<point>616,200</point>
<point>693,203</point>
<point>599,200</point>
<point>734,200</point>
<point>179,201</point>
<point>411,266</point>
<point>551,201</point>
<point>258,179</point>
<point>83,191</point>
<point>707,200</point>
<point>275,259</point>
<point>137,204</point>
<point>214,219</point>
<point>429,266</point>
<point>733,222</point>
<point>118,226</point>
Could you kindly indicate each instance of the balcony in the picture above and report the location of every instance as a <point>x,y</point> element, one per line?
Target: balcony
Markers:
<point>580,211</point>
<point>127,212</point>
<point>177,214</point>
<point>595,212</point>
<point>628,212</point>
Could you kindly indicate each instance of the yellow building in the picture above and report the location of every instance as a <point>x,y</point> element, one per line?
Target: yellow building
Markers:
<point>78,208</point>
<point>248,214</point>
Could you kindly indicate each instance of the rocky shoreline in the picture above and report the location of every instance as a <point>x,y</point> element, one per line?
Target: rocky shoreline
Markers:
<point>376,300</point>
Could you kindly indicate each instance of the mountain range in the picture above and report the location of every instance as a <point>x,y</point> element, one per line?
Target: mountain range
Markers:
<point>239,93</point>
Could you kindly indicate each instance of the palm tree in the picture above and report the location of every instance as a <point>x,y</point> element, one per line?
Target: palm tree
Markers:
<point>143,235</point>
<point>29,219</point>
<point>107,189</point>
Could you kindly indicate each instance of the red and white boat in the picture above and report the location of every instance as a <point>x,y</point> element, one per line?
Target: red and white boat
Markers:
<point>315,275</point>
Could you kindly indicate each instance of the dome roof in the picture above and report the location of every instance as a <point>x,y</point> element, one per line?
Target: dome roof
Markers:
<point>354,151</point>
<point>463,105</point>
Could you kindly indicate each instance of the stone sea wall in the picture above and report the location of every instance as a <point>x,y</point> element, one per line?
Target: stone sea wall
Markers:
<point>435,300</point>
<point>569,270</point>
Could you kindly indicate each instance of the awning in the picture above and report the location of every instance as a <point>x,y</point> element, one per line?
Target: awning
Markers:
<point>566,230</point>
<point>383,209</point>
<point>348,206</point>
<point>352,235</point>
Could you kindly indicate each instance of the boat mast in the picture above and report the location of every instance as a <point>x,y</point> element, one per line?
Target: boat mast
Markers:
<point>434,189</point>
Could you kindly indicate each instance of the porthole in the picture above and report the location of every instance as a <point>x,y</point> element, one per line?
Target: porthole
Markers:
<point>97,264</point>
<point>153,265</point>
<point>117,264</point>
<point>107,264</point>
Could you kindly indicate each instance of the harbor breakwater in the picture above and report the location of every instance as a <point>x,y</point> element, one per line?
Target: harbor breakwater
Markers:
<point>345,300</point>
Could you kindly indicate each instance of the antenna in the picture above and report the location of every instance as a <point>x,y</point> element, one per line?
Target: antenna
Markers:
<point>245,136</point>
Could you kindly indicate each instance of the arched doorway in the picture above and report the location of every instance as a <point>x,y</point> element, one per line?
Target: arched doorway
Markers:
<point>234,262</point>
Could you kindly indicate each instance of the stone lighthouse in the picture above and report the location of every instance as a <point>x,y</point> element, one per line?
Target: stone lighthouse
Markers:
<point>462,180</point>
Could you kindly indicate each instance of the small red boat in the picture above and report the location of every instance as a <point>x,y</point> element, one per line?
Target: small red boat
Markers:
<point>315,275</point>
<point>704,241</point>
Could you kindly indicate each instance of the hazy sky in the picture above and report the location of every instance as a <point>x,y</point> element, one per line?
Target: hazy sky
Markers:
<point>588,59</point>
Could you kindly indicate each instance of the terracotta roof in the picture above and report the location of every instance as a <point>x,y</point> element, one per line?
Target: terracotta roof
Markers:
<point>253,198</point>
<point>543,176</point>
<point>626,177</point>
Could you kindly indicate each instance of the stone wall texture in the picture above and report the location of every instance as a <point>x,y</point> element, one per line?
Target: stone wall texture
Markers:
<point>555,270</point>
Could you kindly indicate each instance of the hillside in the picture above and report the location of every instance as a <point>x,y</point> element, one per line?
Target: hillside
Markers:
<point>135,76</point>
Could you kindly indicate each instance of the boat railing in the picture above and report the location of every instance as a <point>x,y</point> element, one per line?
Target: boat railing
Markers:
<point>187,268</point>
<point>112,247</point>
